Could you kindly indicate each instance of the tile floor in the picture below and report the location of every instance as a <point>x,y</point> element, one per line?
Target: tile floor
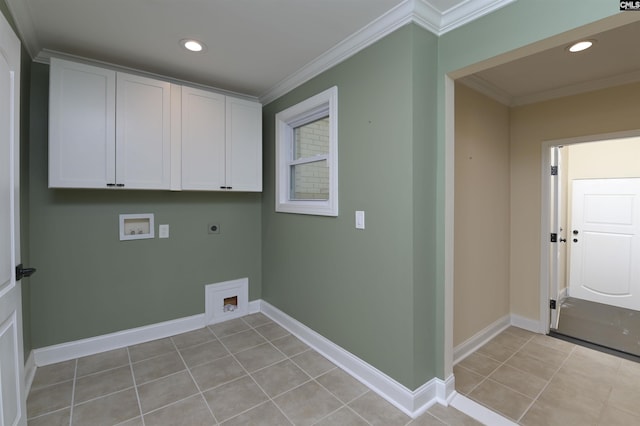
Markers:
<point>539,380</point>
<point>246,371</point>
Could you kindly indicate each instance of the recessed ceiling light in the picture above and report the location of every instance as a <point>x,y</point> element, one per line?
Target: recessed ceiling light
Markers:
<point>580,46</point>
<point>193,45</point>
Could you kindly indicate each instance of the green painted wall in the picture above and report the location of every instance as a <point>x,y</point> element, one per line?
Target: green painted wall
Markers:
<point>358,287</point>
<point>424,163</point>
<point>89,283</point>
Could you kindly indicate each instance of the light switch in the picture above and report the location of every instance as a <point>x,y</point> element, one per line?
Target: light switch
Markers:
<point>359,219</point>
<point>163,231</point>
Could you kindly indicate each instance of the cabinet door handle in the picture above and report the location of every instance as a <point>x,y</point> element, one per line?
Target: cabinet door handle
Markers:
<point>111,184</point>
<point>119,185</point>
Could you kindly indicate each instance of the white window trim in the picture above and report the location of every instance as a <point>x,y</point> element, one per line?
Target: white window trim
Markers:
<point>319,106</point>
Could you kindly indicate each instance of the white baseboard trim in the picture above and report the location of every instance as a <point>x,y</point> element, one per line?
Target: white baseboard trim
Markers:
<point>412,403</point>
<point>526,323</point>
<point>29,372</point>
<point>472,344</point>
<point>479,412</point>
<point>254,306</point>
<point>93,345</point>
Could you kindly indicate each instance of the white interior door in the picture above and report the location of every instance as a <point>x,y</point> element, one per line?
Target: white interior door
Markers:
<point>605,241</point>
<point>12,398</point>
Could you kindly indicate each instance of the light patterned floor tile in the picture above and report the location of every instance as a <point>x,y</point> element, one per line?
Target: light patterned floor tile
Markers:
<point>53,374</point>
<point>50,398</point>
<point>150,349</point>
<point>158,367</point>
<point>227,374</point>
<point>110,409</point>
<point>501,399</point>
<point>266,414</point>
<point>307,403</point>
<point>192,411</point>
<point>451,416</point>
<point>342,385</point>
<point>165,391</point>
<point>377,411</point>
<point>192,338</point>
<point>229,400</point>
<point>103,383</point>
<point>102,361</point>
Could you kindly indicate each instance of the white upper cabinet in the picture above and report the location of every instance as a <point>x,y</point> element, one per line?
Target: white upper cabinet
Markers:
<point>107,129</point>
<point>113,129</point>
<point>81,126</point>
<point>221,142</point>
<point>203,140</point>
<point>244,145</point>
<point>143,132</point>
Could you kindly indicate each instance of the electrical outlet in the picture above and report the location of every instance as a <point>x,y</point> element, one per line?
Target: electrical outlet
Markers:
<point>359,219</point>
<point>213,228</point>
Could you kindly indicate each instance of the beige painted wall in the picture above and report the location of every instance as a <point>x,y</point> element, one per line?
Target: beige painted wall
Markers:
<point>604,111</point>
<point>481,274</point>
<point>616,158</point>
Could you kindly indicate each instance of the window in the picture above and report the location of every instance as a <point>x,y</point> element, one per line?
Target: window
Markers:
<point>307,156</point>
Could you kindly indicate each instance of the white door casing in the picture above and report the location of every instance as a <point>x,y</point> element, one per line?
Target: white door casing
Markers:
<point>605,241</point>
<point>554,253</point>
<point>12,393</point>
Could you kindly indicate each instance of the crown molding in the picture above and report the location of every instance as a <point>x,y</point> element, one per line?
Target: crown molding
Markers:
<point>372,32</point>
<point>19,10</point>
<point>468,11</point>
<point>576,89</point>
<point>483,86</point>
<point>420,12</point>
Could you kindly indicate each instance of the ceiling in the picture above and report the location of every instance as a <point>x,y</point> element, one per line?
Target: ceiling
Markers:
<point>264,48</point>
<point>259,48</point>
<point>613,59</point>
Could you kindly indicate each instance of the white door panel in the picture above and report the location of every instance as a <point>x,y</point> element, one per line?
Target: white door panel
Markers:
<point>605,247</point>
<point>12,398</point>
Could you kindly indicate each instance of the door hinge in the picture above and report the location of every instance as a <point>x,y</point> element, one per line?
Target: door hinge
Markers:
<point>554,170</point>
<point>552,304</point>
<point>554,237</point>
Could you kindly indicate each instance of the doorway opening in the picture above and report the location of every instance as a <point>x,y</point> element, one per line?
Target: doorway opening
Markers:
<point>592,252</point>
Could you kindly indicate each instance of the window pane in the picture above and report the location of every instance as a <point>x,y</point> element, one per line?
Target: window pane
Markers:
<point>310,181</point>
<point>311,139</point>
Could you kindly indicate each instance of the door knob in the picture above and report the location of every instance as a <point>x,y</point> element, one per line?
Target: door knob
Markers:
<point>22,272</point>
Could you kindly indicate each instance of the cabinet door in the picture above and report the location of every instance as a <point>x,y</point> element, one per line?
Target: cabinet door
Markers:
<point>203,133</point>
<point>244,145</point>
<point>81,125</point>
<point>143,132</point>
